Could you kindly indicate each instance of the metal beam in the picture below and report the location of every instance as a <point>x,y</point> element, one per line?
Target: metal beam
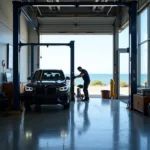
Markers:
<point>32,59</point>
<point>28,19</point>
<point>115,57</point>
<point>60,14</point>
<point>84,4</point>
<point>45,44</point>
<point>72,70</point>
<point>133,51</point>
<point>123,50</point>
<point>39,11</point>
<point>49,6</point>
<point>148,26</point>
<point>100,7</point>
<point>32,7</point>
<point>58,7</point>
<point>103,6</point>
<point>139,53</point>
<point>110,9</point>
<point>16,39</point>
<point>95,6</point>
<point>145,5</point>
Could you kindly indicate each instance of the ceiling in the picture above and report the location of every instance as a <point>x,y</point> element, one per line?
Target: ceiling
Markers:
<point>75,11</point>
<point>76,25</point>
<point>58,19</point>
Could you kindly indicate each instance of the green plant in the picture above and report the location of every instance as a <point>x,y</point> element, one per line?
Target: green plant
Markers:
<point>123,84</point>
<point>97,82</point>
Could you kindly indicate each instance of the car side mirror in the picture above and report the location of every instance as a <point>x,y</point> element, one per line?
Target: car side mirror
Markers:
<point>29,78</point>
<point>67,78</point>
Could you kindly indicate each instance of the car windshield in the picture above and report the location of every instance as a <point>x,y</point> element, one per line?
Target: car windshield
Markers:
<point>48,75</point>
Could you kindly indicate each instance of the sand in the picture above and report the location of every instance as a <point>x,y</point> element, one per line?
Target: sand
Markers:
<point>96,90</point>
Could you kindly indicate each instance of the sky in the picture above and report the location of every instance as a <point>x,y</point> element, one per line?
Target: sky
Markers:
<point>92,52</point>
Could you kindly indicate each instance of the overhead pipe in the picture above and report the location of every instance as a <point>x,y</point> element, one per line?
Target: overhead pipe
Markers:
<point>51,8</point>
<point>143,7</point>
<point>44,44</point>
<point>29,19</point>
<point>77,4</point>
<point>37,9</point>
<point>110,9</point>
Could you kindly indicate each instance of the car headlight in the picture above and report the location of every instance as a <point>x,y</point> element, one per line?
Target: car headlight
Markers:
<point>64,88</point>
<point>27,88</point>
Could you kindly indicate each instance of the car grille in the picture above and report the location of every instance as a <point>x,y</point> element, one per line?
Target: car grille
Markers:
<point>51,90</point>
<point>42,90</point>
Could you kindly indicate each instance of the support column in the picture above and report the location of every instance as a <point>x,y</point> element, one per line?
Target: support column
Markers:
<point>16,40</point>
<point>148,25</point>
<point>133,51</point>
<point>32,59</point>
<point>115,58</point>
<point>72,70</point>
<point>139,53</point>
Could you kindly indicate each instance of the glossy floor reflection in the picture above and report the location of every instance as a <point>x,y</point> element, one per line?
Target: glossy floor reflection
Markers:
<point>97,125</point>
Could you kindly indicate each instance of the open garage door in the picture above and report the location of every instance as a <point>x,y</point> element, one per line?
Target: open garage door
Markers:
<point>72,25</point>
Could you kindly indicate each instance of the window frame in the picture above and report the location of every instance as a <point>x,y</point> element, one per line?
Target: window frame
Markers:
<point>140,43</point>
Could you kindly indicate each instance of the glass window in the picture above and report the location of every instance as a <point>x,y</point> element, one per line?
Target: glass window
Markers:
<point>37,75</point>
<point>124,63</point>
<point>52,75</point>
<point>143,24</point>
<point>124,38</point>
<point>144,63</point>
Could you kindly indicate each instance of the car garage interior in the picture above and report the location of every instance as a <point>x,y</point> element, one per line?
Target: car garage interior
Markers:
<point>43,108</point>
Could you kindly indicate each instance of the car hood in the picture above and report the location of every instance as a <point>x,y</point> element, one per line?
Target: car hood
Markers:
<point>51,83</point>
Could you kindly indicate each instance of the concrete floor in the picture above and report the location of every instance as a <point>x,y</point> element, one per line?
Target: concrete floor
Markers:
<point>97,125</point>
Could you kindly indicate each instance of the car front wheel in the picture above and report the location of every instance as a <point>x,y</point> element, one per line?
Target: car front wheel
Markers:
<point>27,107</point>
<point>67,106</point>
<point>38,108</point>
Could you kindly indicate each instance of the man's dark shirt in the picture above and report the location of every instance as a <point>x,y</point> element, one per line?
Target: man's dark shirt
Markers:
<point>85,77</point>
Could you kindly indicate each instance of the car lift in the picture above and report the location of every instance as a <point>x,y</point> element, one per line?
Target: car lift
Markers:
<point>17,7</point>
<point>71,45</point>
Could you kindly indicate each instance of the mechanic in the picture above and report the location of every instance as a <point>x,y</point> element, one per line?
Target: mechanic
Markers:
<point>84,74</point>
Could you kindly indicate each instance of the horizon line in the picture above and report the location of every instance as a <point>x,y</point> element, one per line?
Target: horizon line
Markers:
<point>105,73</point>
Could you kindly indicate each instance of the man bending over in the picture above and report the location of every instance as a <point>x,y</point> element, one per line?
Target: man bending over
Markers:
<point>84,74</point>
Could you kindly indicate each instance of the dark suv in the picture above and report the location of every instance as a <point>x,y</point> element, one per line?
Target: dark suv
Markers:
<point>47,87</point>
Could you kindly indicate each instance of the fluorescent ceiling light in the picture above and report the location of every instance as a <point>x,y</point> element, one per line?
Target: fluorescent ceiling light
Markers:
<point>99,5</point>
<point>53,5</point>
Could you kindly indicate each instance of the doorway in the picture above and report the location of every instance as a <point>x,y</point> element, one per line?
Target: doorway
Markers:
<point>123,65</point>
<point>90,53</point>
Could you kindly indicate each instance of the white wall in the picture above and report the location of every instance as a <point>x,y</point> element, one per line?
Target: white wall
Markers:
<point>6,36</point>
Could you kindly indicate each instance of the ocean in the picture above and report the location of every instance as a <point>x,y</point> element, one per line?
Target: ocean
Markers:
<point>105,78</point>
